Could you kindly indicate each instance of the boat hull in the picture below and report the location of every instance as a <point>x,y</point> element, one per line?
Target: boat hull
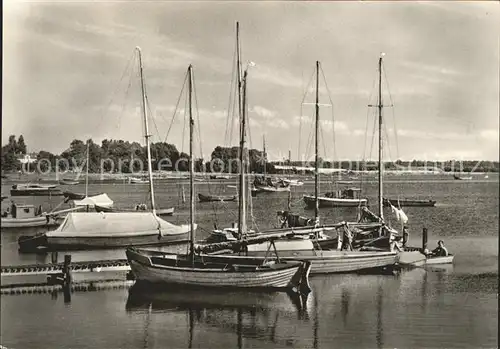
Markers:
<point>270,189</point>
<point>216,198</point>
<point>164,269</point>
<point>440,260</point>
<point>408,203</point>
<point>333,262</point>
<point>36,192</point>
<point>333,202</point>
<point>165,211</point>
<point>40,221</point>
<point>83,241</point>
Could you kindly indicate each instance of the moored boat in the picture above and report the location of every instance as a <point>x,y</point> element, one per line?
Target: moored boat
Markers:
<point>462,178</point>
<point>29,189</point>
<point>292,182</point>
<point>199,270</point>
<point>68,182</point>
<point>24,216</point>
<point>92,230</point>
<point>165,212</point>
<point>263,184</point>
<point>409,202</point>
<point>207,271</point>
<point>322,261</point>
<point>134,180</point>
<point>215,198</point>
<point>324,201</point>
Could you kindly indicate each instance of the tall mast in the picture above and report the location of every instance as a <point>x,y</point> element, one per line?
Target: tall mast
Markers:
<point>316,149</point>
<point>241,191</point>
<point>87,174</point>
<point>191,162</point>
<point>146,131</point>
<point>238,68</point>
<point>242,225</point>
<point>380,143</point>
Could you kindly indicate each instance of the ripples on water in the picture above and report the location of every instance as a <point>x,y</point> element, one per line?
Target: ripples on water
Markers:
<point>442,306</point>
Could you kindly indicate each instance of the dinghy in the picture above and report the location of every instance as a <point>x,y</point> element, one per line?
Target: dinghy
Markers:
<point>214,198</point>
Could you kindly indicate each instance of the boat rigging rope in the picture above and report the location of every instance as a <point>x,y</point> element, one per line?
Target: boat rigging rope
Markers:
<point>393,112</point>
<point>366,132</point>
<point>127,68</point>
<point>333,115</point>
<point>231,103</point>
<point>302,112</point>
<point>176,108</point>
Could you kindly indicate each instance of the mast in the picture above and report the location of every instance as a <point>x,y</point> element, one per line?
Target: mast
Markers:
<point>146,131</point>
<point>87,173</point>
<point>241,191</point>
<point>242,223</point>
<point>191,163</point>
<point>380,143</point>
<point>316,149</point>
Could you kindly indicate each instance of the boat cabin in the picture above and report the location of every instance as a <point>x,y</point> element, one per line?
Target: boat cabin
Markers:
<point>22,211</point>
<point>347,193</point>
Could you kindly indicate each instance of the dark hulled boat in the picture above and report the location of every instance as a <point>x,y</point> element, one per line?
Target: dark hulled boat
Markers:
<point>213,198</point>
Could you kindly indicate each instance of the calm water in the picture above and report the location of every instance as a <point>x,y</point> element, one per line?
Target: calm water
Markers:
<point>451,306</point>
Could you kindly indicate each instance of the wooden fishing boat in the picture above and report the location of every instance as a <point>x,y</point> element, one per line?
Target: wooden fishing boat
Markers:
<point>206,271</point>
<point>409,203</point>
<point>214,198</point>
<point>35,190</point>
<point>24,216</point>
<point>200,270</point>
<point>342,197</point>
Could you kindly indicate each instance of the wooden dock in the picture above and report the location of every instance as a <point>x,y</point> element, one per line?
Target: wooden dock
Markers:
<point>56,268</point>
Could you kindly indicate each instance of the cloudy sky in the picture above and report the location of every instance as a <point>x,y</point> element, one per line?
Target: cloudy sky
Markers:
<point>67,73</point>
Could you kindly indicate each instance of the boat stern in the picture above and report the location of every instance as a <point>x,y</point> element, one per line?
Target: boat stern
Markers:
<point>300,280</point>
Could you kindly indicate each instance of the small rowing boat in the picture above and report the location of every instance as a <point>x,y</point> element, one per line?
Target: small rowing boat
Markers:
<point>215,198</point>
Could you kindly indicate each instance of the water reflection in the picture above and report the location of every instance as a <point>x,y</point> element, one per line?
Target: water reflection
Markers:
<point>249,315</point>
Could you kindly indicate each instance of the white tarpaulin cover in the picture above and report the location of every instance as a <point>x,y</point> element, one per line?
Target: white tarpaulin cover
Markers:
<point>101,200</point>
<point>115,224</point>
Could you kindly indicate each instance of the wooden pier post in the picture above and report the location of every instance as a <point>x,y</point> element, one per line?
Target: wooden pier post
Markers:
<point>424,239</point>
<point>67,279</point>
<point>53,256</point>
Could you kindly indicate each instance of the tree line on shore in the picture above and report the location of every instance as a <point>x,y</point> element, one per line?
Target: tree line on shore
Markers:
<point>127,157</point>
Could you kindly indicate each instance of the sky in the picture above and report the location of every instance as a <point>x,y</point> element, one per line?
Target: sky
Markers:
<point>69,73</point>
